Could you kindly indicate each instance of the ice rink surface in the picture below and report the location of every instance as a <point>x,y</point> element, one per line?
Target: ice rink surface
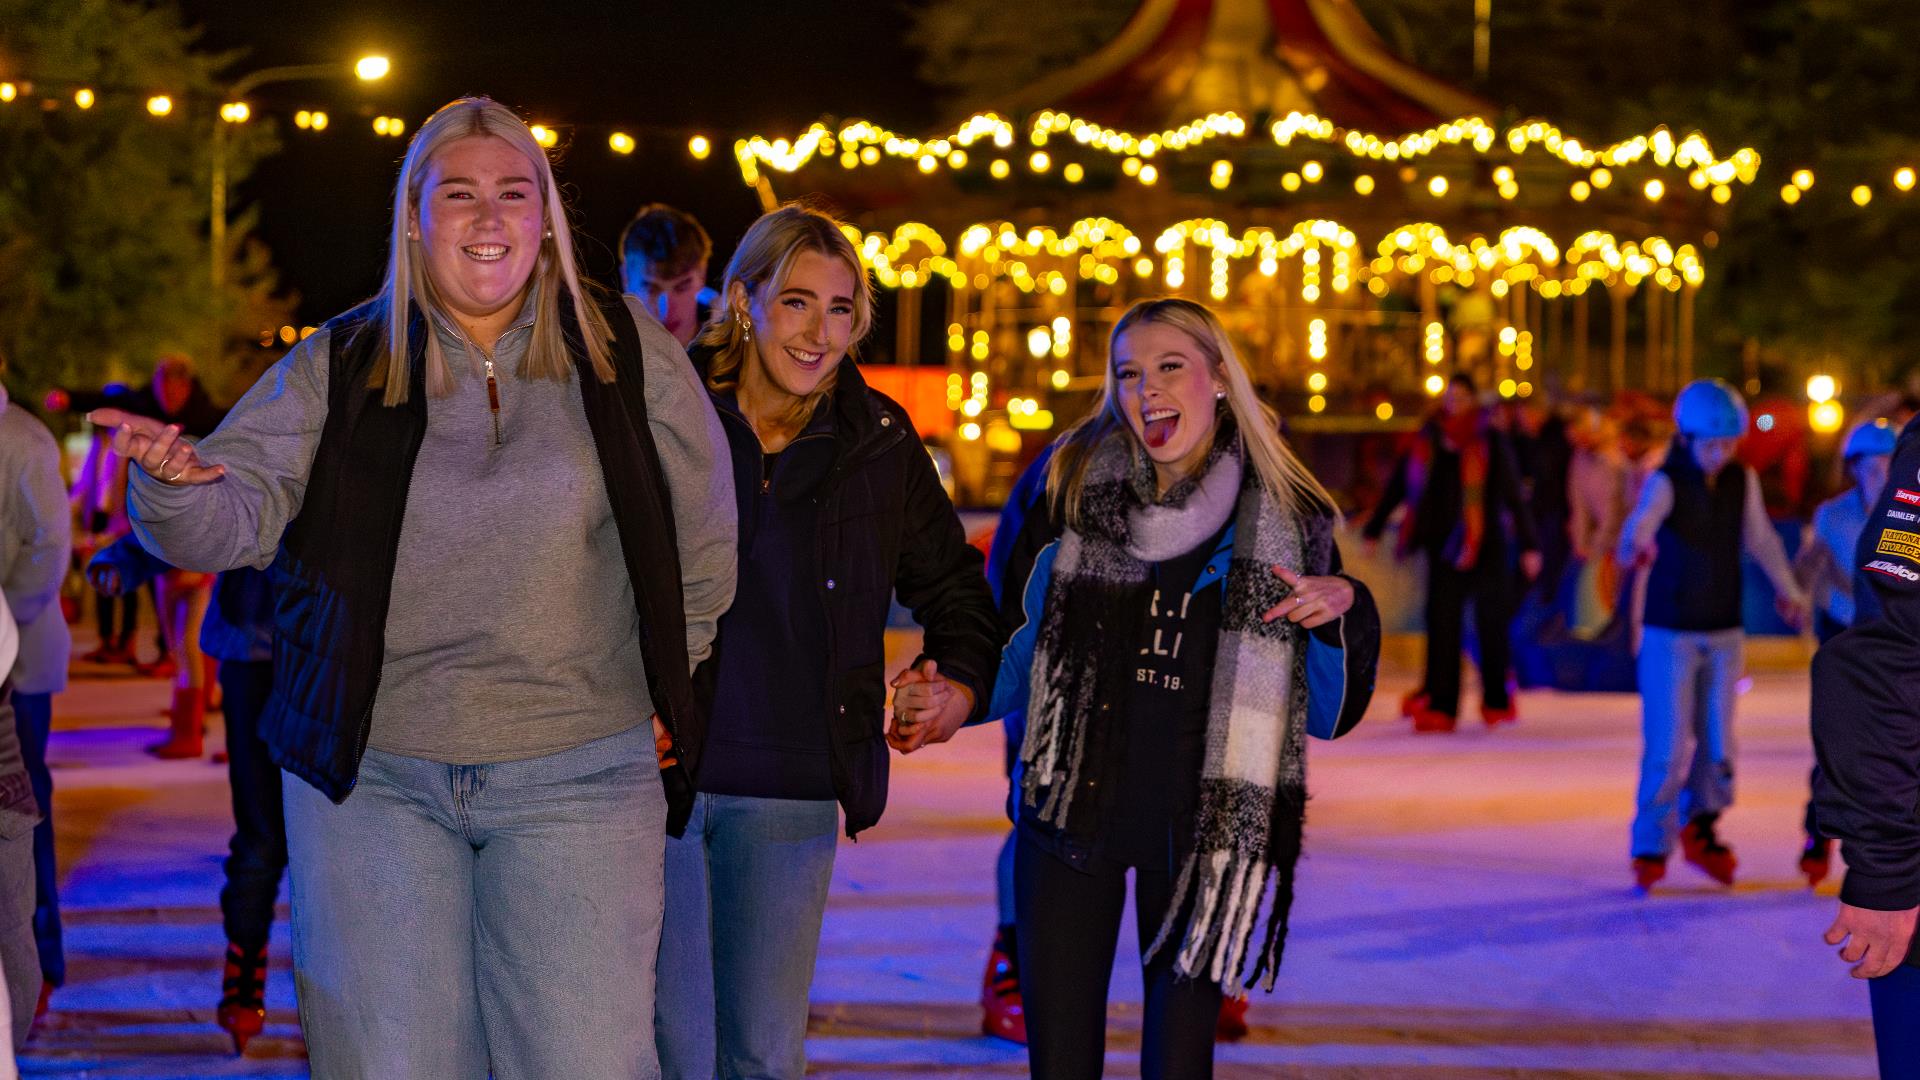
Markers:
<point>1465,910</point>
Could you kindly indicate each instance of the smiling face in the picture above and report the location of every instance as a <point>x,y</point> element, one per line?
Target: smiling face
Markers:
<point>478,221</point>
<point>800,331</point>
<point>675,301</point>
<point>1167,392</point>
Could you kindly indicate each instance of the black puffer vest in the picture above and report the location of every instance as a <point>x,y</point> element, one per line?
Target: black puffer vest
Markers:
<point>333,576</point>
<point>1695,584</point>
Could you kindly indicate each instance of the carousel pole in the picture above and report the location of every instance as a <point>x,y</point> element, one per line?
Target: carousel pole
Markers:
<point>1686,333</point>
<point>1617,354</point>
<point>1655,358</point>
<point>1581,352</point>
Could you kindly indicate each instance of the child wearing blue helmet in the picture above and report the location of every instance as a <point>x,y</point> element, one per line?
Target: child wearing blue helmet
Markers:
<point>1695,518</point>
<point>1826,565</point>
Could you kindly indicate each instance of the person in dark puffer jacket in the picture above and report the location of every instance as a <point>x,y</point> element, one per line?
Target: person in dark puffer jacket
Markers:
<point>839,507</point>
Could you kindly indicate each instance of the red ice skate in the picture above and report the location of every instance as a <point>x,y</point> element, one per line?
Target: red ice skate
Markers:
<point>1002,1014</point>
<point>1432,721</point>
<point>1414,704</point>
<point>1648,870</point>
<point>243,991</point>
<point>1817,860</point>
<point>1231,1026</point>
<point>1495,717</point>
<point>1704,850</point>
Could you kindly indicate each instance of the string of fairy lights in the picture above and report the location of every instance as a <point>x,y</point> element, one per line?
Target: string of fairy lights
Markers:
<point>999,147</point>
<point>1300,154</point>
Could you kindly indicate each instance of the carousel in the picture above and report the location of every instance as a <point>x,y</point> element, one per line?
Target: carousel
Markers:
<point>1363,228</point>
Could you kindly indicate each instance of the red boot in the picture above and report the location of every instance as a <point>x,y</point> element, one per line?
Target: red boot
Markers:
<point>1432,721</point>
<point>188,719</point>
<point>243,993</point>
<point>1002,1014</point>
<point>1232,1023</point>
<point>1817,860</point>
<point>1495,717</point>
<point>1647,870</point>
<point>1413,704</point>
<point>1704,850</point>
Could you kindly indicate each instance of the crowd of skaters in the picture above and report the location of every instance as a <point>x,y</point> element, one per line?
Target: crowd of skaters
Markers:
<point>431,736</point>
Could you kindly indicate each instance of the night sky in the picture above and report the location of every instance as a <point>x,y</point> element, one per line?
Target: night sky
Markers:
<point>728,67</point>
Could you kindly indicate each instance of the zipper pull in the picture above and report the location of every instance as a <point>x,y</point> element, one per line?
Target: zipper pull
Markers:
<point>493,400</point>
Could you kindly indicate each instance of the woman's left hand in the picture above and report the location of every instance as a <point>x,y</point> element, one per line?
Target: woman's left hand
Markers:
<point>928,707</point>
<point>1314,601</point>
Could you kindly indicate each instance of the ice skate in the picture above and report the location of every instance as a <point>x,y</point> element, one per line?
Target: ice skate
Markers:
<point>1704,849</point>
<point>243,988</point>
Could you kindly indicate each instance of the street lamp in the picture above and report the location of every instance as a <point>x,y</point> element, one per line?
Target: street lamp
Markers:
<point>366,69</point>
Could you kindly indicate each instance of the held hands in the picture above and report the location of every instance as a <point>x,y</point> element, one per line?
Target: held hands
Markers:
<point>1877,941</point>
<point>928,707</point>
<point>157,448</point>
<point>1314,601</point>
<point>663,744</point>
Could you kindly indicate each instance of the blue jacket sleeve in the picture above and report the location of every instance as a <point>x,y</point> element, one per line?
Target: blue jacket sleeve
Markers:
<point>1343,658</point>
<point>1010,687</point>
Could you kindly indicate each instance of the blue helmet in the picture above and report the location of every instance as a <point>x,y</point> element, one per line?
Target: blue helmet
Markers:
<point>1871,439</point>
<point>1710,409</point>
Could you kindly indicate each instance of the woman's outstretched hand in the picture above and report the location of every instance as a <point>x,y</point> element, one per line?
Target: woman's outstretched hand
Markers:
<point>156,448</point>
<point>928,707</point>
<point>1314,601</point>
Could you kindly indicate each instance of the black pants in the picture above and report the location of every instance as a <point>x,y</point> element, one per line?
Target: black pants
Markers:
<point>1069,926</point>
<point>117,633</point>
<point>258,850</point>
<point>1492,588</point>
<point>33,721</point>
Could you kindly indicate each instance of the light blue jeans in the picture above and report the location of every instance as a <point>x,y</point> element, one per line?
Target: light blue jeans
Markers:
<point>746,890</point>
<point>451,920</point>
<point>1688,681</point>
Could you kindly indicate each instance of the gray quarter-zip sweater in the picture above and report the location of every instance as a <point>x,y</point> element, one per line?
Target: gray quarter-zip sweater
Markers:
<point>512,631</point>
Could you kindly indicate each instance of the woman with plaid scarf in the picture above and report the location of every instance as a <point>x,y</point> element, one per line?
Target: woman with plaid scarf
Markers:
<point>1182,637</point>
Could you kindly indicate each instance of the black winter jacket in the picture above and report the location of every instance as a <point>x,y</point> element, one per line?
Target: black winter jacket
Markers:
<point>1866,705</point>
<point>886,526</point>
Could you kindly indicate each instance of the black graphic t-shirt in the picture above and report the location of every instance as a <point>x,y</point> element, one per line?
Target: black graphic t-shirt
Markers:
<point>1165,737</point>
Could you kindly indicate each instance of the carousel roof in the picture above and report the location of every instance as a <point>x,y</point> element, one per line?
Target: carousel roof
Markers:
<point>1178,59</point>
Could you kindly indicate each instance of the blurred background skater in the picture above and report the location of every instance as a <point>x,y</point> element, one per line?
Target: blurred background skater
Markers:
<point>238,633</point>
<point>1694,520</point>
<point>663,263</point>
<point>1824,569</point>
<point>36,546</point>
<point>1468,515</point>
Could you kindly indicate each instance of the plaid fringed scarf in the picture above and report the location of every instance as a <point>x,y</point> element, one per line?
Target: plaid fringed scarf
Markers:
<point>1253,783</point>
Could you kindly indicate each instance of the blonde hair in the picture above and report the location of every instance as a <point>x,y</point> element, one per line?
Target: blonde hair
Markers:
<point>1286,479</point>
<point>408,283</point>
<point>760,265</point>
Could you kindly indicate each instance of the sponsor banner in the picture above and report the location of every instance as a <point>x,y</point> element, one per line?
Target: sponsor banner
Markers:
<point>1911,498</point>
<point>1902,515</point>
<point>1899,543</point>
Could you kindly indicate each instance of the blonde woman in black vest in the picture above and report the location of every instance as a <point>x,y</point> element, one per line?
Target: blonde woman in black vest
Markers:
<point>500,527</point>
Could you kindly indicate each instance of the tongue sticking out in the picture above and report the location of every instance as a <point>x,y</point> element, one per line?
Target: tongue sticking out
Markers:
<point>1159,431</point>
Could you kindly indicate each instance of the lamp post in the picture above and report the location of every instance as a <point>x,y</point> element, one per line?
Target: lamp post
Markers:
<point>234,110</point>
